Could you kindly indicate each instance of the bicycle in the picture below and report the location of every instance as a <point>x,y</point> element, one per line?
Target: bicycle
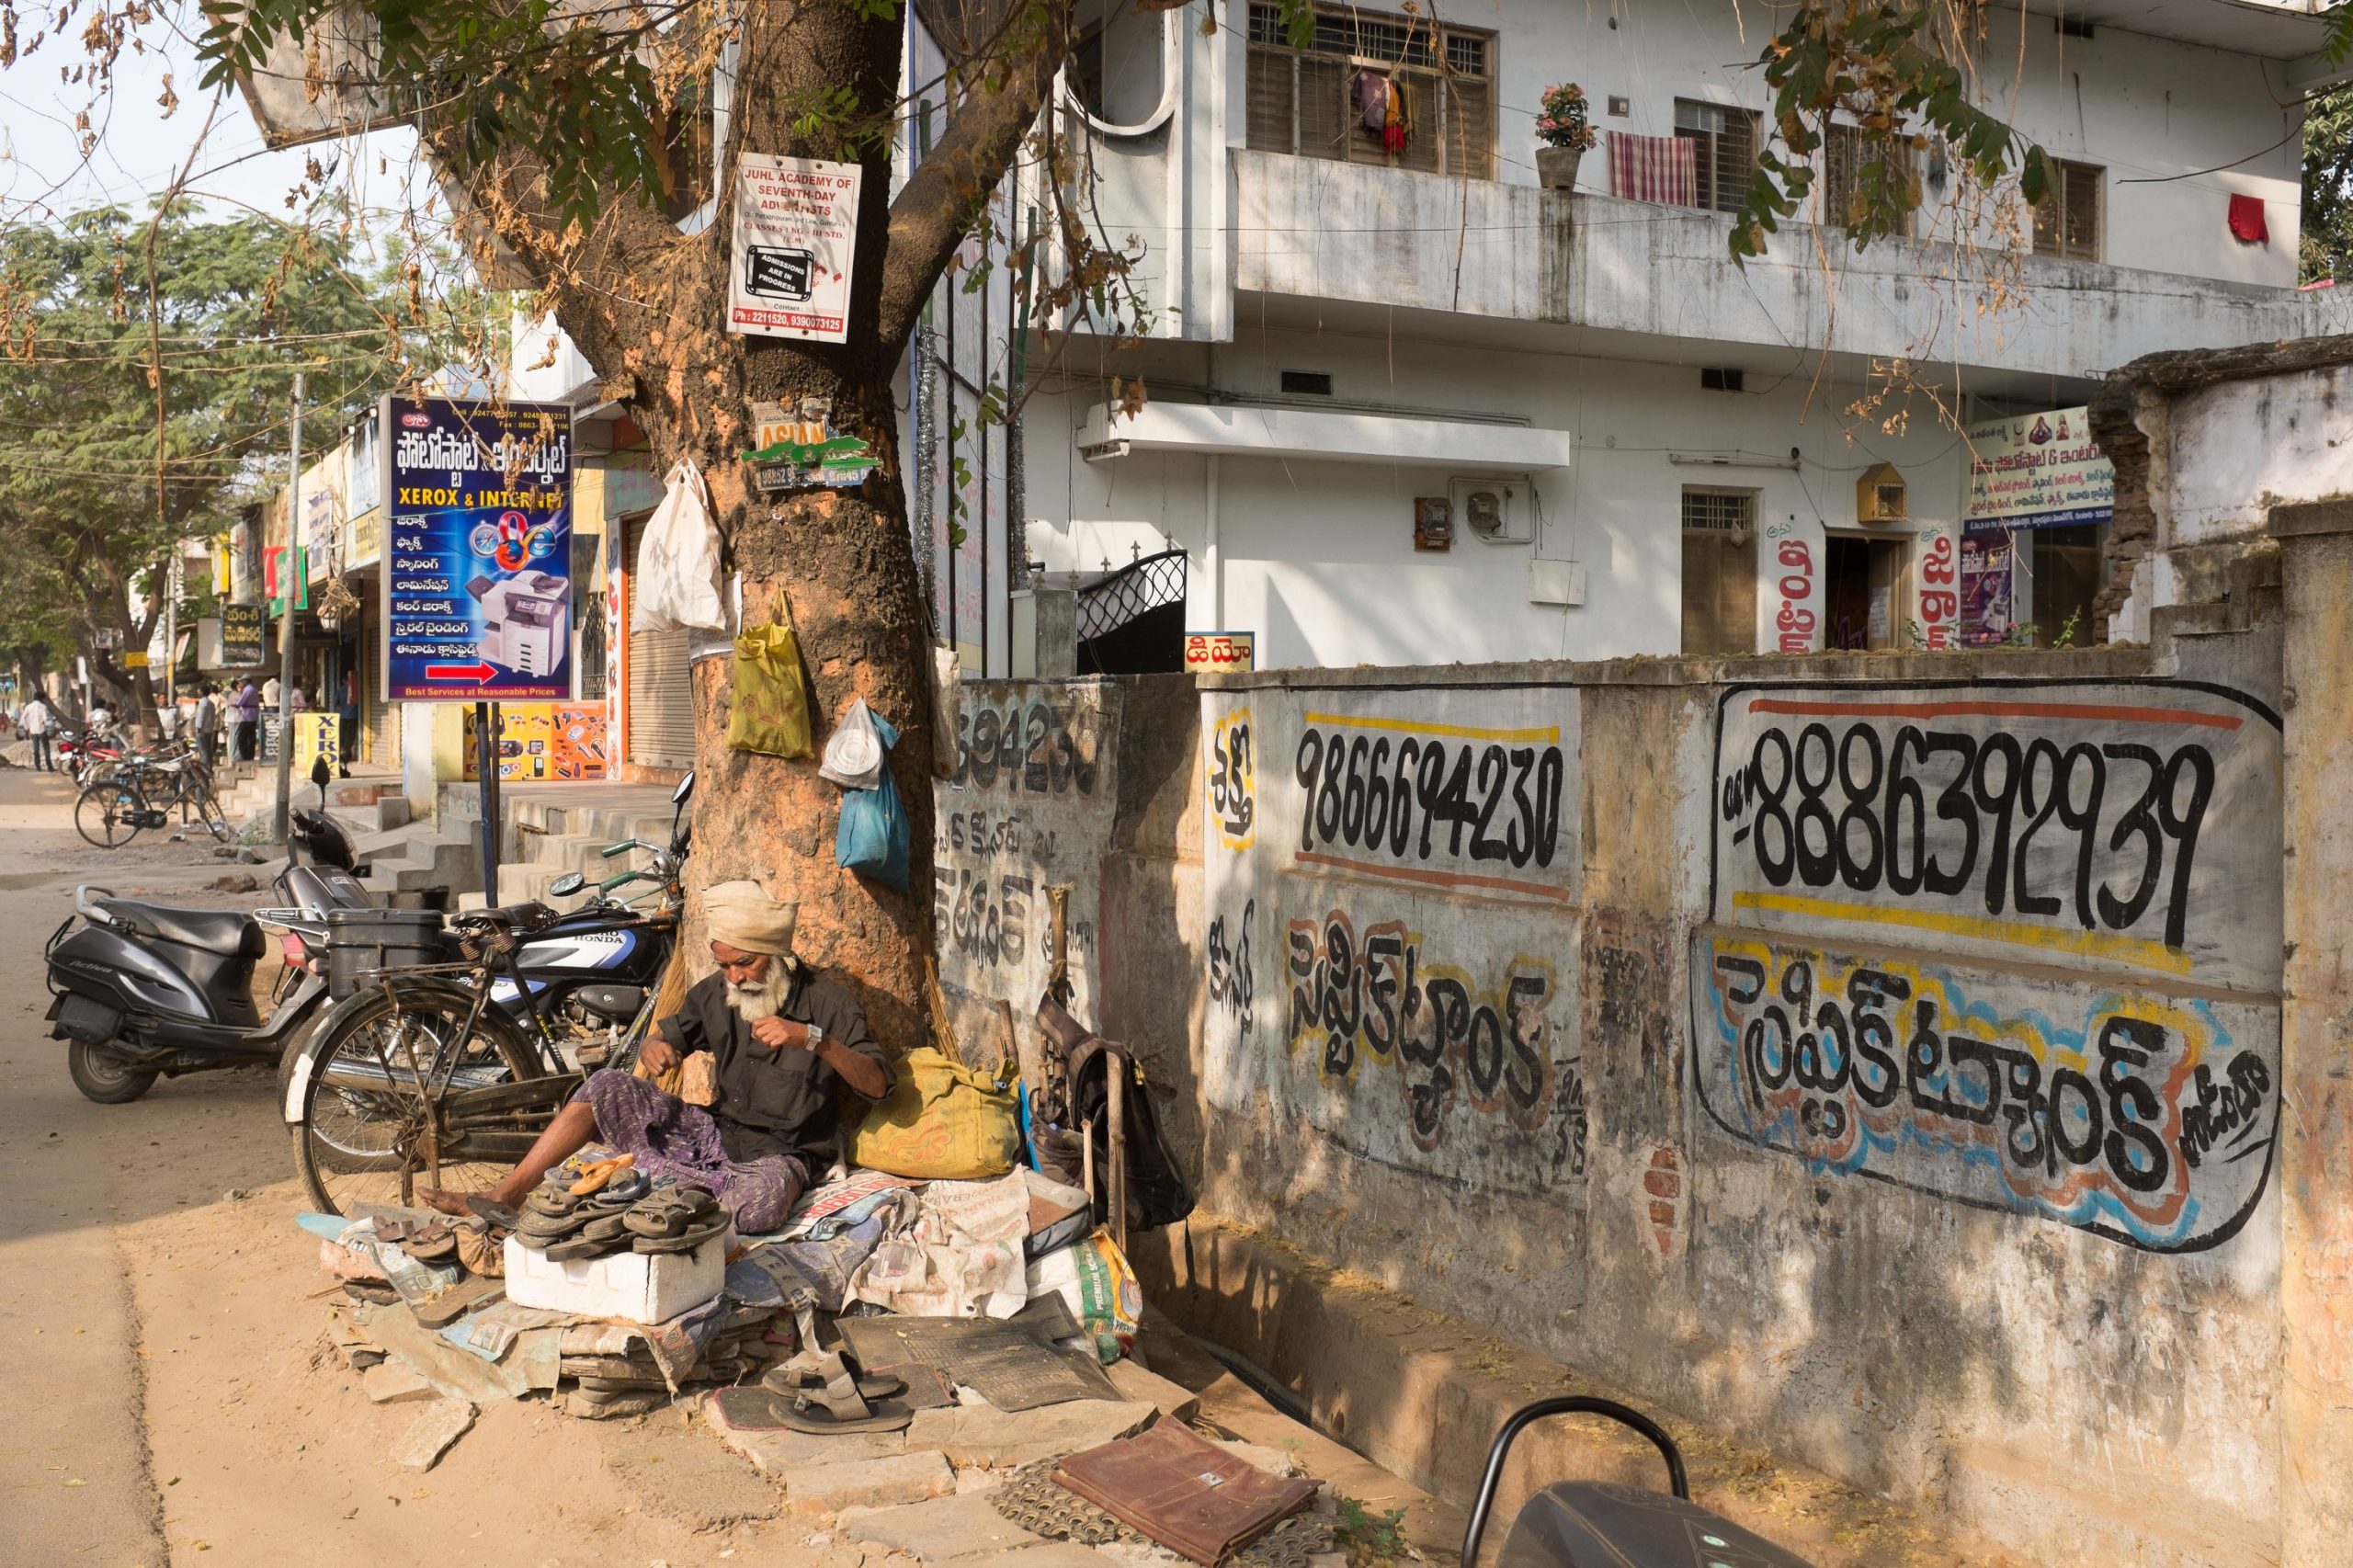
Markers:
<point>139,792</point>
<point>422,1077</point>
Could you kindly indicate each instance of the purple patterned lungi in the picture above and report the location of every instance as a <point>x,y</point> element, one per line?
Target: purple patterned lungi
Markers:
<point>671,1138</point>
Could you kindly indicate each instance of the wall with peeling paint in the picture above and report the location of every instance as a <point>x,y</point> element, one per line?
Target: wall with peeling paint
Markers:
<point>1878,1059</point>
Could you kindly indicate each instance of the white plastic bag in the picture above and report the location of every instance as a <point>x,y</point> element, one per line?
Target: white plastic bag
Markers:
<point>854,751</point>
<point>677,560</point>
<point>947,675</point>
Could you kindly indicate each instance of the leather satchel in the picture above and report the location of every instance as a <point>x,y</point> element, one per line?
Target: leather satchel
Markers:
<point>1183,1491</point>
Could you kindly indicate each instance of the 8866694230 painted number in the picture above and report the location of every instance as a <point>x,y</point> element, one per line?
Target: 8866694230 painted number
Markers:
<point>1423,799</point>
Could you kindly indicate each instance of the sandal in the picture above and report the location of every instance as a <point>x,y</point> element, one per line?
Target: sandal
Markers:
<point>601,1234</point>
<point>689,1239</point>
<point>593,1176</point>
<point>814,1369</point>
<point>838,1407</point>
<point>625,1188</point>
<point>431,1243</point>
<point>497,1213</point>
<point>670,1211</point>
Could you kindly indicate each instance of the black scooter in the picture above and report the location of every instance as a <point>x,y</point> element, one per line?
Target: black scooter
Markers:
<point>145,990</point>
<point>1589,1524</point>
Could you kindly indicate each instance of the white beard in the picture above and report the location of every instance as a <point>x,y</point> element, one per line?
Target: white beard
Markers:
<point>752,1002</point>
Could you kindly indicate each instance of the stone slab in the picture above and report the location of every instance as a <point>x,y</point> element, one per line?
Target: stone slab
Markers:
<point>459,1374</point>
<point>781,1454</point>
<point>394,1382</point>
<point>1049,1554</point>
<point>1136,1383</point>
<point>428,1437</point>
<point>869,1483</point>
<point>1001,1439</point>
<point>940,1529</point>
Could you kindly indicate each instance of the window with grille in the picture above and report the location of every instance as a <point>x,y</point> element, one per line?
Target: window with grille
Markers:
<point>1718,571</point>
<point>1304,100</point>
<point>2067,219</point>
<point>1846,154</point>
<point>1726,154</point>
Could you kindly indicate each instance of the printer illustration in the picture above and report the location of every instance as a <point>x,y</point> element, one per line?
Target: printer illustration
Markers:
<point>527,630</point>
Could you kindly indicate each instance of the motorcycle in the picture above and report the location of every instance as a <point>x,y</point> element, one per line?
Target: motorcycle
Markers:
<point>148,990</point>
<point>1588,1524</point>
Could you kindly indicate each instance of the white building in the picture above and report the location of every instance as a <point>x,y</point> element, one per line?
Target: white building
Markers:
<point>1341,335</point>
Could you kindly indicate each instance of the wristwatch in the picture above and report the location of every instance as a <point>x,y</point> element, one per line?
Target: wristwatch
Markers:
<point>816,1036</point>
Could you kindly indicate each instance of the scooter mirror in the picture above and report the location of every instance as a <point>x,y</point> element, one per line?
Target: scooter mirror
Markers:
<point>679,796</point>
<point>567,884</point>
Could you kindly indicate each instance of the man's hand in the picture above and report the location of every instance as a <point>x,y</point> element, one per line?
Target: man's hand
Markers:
<point>659,1056</point>
<point>782,1034</point>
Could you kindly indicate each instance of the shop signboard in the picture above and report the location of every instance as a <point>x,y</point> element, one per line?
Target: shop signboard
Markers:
<point>796,248</point>
<point>478,554</point>
<point>316,735</point>
<point>241,633</point>
<point>1985,589</point>
<point>2036,471</point>
<point>1219,653</point>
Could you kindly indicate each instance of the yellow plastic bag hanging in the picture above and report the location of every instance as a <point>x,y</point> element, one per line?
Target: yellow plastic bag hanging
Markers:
<point>941,1122</point>
<point>771,696</point>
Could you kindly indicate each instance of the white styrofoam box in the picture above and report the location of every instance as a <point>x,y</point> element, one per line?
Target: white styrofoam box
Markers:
<point>636,1286</point>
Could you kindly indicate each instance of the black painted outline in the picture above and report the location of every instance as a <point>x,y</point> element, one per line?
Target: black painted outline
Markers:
<point>2223,1232</point>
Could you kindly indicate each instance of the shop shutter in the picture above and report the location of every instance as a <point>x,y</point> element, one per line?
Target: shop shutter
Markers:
<point>380,722</point>
<point>661,689</point>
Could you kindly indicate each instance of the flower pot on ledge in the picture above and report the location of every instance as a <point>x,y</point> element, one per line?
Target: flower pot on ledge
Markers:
<point>1556,168</point>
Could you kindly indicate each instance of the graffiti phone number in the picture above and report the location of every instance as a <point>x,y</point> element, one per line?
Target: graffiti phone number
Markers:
<point>2098,832</point>
<point>1417,798</point>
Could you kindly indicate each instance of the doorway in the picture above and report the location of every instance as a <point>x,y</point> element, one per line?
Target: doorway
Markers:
<point>2063,572</point>
<point>1862,592</point>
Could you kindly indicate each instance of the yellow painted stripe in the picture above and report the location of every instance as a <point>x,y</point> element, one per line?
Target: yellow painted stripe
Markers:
<point>2137,952</point>
<point>1548,736</point>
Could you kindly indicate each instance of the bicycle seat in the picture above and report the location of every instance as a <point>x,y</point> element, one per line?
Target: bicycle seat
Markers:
<point>231,932</point>
<point>1586,1524</point>
<point>529,915</point>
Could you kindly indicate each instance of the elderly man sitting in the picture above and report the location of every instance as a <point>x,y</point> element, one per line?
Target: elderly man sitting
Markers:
<point>783,1039</point>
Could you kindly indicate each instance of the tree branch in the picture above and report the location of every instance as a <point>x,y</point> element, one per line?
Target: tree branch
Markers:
<point>936,208</point>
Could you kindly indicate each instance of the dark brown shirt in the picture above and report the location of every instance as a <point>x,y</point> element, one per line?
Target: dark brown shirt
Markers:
<point>780,1102</point>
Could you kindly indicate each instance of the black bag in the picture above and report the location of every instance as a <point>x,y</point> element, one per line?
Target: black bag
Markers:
<point>1158,1193</point>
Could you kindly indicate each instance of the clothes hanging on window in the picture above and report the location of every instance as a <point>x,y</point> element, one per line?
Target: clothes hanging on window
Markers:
<point>1654,168</point>
<point>2247,223</point>
<point>1372,100</point>
<point>1397,129</point>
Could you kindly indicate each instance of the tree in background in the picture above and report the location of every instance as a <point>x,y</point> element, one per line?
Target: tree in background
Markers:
<point>2326,242</point>
<point>147,377</point>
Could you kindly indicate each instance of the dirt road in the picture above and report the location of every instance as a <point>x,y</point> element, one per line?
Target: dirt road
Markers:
<point>168,1390</point>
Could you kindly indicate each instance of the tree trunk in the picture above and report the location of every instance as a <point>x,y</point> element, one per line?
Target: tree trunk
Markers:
<point>646,305</point>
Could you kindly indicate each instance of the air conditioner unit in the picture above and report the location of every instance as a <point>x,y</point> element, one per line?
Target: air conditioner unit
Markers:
<point>1495,508</point>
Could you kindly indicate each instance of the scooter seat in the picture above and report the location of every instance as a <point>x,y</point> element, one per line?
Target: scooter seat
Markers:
<point>230,932</point>
<point>1588,1524</point>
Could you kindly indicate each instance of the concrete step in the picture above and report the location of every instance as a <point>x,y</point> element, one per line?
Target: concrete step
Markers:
<point>419,858</point>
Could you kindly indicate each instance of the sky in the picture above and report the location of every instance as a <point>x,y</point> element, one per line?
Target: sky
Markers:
<point>44,173</point>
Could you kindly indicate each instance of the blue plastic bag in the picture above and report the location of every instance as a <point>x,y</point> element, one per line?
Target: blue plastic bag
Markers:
<point>874,838</point>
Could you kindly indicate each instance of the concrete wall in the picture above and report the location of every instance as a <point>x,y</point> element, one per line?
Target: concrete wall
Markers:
<point>1886,1070</point>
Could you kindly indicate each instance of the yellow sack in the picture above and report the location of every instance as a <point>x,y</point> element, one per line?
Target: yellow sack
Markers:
<point>771,695</point>
<point>941,1122</point>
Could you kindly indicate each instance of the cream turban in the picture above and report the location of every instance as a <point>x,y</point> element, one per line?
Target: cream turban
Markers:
<point>744,917</point>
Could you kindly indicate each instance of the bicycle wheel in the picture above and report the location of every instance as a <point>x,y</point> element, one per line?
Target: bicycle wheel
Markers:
<point>110,814</point>
<point>208,812</point>
<point>367,1100</point>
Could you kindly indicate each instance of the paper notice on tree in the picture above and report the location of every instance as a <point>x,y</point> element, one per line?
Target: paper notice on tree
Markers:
<point>796,244</point>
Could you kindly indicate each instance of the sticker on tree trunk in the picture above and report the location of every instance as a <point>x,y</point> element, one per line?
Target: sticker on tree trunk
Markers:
<point>796,248</point>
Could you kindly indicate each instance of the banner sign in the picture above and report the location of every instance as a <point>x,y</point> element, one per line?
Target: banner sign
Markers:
<point>796,248</point>
<point>241,633</point>
<point>478,558</point>
<point>1985,589</point>
<point>2038,470</point>
<point>1219,653</point>
<point>316,734</point>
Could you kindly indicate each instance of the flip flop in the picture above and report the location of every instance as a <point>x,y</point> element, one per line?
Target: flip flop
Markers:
<point>540,1232</point>
<point>431,1243</point>
<point>597,1237</point>
<point>497,1213</point>
<point>624,1189</point>
<point>598,1406</point>
<point>759,1410</point>
<point>810,1370</point>
<point>687,1240</point>
<point>593,1176</point>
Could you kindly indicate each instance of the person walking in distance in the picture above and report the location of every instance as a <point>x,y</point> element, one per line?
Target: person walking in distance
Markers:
<point>346,715</point>
<point>39,723</point>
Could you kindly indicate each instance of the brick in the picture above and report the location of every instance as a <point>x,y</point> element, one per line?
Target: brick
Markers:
<point>1662,1184</point>
<point>1662,1213</point>
<point>868,1484</point>
<point>941,1528</point>
<point>1172,1399</point>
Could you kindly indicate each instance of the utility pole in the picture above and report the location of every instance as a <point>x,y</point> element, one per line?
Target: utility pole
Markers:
<point>289,581</point>
<point>172,630</point>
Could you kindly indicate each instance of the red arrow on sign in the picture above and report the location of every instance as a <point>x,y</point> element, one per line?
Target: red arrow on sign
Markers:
<point>482,670</point>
